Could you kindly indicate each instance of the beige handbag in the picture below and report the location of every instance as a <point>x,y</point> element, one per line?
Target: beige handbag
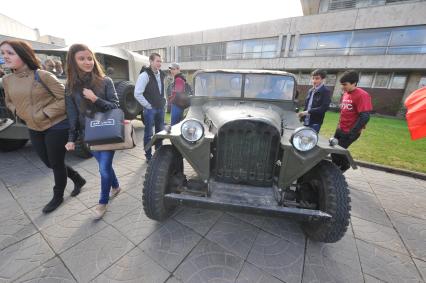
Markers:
<point>129,140</point>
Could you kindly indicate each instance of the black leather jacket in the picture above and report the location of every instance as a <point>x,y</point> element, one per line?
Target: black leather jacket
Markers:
<point>107,99</point>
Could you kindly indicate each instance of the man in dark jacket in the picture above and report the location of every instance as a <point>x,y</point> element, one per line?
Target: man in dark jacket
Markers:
<point>149,92</point>
<point>317,102</point>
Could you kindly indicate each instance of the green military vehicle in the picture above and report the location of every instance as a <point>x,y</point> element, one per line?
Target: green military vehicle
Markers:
<point>121,65</point>
<point>244,140</point>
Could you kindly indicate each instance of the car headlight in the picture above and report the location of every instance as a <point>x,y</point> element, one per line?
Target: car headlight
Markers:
<point>192,130</point>
<point>304,139</point>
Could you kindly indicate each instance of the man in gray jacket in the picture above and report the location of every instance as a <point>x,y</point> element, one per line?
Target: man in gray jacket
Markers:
<point>149,92</point>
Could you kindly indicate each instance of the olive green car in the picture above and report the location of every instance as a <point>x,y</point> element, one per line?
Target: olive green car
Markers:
<point>243,138</point>
<point>121,65</point>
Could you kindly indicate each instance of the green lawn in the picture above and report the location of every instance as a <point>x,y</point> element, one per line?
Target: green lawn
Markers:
<point>384,141</point>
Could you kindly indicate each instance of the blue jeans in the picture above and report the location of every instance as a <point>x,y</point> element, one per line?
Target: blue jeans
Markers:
<point>316,127</point>
<point>108,178</point>
<point>152,117</point>
<point>176,115</point>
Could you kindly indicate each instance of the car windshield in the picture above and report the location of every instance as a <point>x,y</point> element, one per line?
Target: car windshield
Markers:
<point>261,86</point>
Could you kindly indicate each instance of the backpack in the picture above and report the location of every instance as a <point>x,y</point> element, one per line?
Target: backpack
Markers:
<point>182,99</point>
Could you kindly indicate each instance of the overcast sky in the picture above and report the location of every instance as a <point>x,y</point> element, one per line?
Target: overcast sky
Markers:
<point>109,22</point>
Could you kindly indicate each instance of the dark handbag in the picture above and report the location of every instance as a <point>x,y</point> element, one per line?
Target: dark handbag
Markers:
<point>104,127</point>
<point>182,100</point>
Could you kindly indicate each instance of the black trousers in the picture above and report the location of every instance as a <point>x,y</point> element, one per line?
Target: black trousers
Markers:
<point>345,140</point>
<point>50,147</point>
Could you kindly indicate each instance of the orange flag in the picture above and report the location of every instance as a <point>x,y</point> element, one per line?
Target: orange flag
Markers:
<point>416,113</point>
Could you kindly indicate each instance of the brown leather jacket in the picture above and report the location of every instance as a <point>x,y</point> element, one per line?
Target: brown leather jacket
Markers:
<point>32,102</point>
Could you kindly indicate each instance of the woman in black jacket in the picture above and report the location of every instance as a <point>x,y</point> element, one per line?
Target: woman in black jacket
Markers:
<point>90,91</point>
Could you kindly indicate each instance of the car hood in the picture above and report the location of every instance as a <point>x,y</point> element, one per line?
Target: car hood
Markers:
<point>220,113</point>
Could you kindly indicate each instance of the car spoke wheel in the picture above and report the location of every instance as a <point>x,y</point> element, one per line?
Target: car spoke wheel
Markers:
<point>165,167</point>
<point>331,194</point>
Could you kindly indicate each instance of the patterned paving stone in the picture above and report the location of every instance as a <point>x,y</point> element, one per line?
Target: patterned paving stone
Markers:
<point>371,279</point>
<point>367,207</point>
<point>252,274</point>
<point>209,262</point>
<point>421,266</point>
<point>411,201</point>
<point>15,227</point>
<point>134,267</point>
<point>170,244</point>
<point>90,196</point>
<point>234,235</point>
<point>72,230</point>
<point>136,226</point>
<point>50,272</point>
<point>252,219</point>
<point>120,206</point>
<point>200,220</point>
<point>413,233</point>
<point>284,228</point>
<point>92,256</point>
<point>337,262</point>
<point>69,207</point>
<point>386,265</point>
<point>359,185</point>
<point>378,234</point>
<point>278,257</point>
<point>23,256</point>
<point>173,280</point>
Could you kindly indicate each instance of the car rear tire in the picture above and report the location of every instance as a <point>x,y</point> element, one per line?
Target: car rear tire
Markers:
<point>332,196</point>
<point>12,144</point>
<point>128,103</point>
<point>165,164</point>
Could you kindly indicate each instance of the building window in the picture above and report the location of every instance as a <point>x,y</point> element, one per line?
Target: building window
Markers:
<point>398,81</point>
<point>252,48</point>
<point>366,79</point>
<point>184,53</point>
<point>216,51</point>
<point>370,42</point>
<point>330,80</point>
<point>381,80</point>
<point>304,79</point>
<point>404,40</point>
<point>161,51</point>
<point>234,50</point>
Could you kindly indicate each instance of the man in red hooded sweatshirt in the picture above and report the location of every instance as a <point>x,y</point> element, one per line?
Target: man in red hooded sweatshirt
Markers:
<point>355,108</point>
<point>179,99</point>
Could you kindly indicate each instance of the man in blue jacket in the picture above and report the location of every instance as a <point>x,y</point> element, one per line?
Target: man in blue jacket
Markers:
<point>317,102</point>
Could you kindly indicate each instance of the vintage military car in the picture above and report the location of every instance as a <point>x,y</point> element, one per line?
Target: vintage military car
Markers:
<point>121,65</point>
<point>244,140</point>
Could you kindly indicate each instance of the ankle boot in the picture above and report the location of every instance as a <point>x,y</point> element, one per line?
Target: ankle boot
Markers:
<point>53,203</point>
<point>79,181</point>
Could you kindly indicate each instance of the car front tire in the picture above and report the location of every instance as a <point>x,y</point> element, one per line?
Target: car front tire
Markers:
<point>164,165</point>
<point>332,196</point>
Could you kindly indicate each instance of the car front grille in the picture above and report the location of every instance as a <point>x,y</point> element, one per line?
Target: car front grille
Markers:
<point>245,152</point>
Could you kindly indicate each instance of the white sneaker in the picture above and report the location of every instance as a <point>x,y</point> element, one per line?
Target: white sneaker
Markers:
<point>114,192</point>
<point>100,210</point>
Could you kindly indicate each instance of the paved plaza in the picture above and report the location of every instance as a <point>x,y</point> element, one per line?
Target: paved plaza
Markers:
<point>386,241</point>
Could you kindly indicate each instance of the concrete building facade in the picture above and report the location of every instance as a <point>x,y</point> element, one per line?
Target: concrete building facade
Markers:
<point>384,39</point>
<point>10,28</point>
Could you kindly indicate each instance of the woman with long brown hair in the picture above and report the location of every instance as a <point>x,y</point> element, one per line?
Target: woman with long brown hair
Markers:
<point>42,107</point>
<point>90,91</point>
